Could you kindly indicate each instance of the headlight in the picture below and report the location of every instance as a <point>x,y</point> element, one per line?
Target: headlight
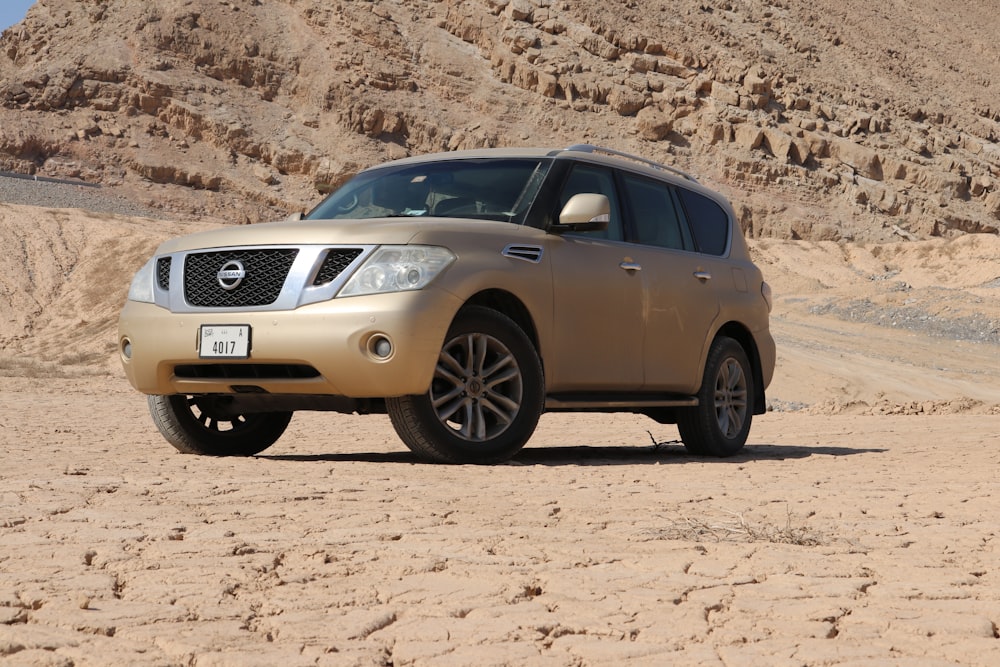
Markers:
<point>141,288</point>
<point>397,268</point>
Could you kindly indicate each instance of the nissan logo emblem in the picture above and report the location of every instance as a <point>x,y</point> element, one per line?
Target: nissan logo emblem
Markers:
<point>231,275</point>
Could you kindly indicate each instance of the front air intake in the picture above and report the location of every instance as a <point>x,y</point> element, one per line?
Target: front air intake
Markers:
<point>245,372</point>
<point>334,263</point>
<point>264,272</point>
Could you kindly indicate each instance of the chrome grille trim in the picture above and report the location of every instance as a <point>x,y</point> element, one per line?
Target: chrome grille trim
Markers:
<point>296,286</point>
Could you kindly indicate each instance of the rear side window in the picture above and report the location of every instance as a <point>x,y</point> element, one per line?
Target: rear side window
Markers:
<point>653,213</point>
<point>708,221</point>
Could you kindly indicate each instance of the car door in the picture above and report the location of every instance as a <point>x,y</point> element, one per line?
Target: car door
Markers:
<point>597,299</point>
<point>681,303</point>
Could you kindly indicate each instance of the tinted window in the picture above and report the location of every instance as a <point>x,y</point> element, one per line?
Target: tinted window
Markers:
<point>652,211</point>
<point>708,221</point>
<point>586,178</point>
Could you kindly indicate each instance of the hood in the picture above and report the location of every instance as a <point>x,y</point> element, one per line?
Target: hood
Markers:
<point>302,232</point>
<point>375,231</point>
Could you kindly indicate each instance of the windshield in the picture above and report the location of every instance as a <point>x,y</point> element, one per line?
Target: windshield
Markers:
<point>484,189</point>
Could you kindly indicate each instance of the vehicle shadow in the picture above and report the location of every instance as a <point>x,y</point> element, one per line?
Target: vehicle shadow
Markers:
<point>588,455</point>
<point>673,453</point>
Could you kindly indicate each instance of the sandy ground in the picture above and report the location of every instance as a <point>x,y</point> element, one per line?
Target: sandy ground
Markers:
<point>858,527</point>
<point>854,540</point>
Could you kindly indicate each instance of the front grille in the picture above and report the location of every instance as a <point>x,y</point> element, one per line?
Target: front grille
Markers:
<point>246,371</point>
<point>265,269</point>
<point>334,263</point>
<point>163,273</point>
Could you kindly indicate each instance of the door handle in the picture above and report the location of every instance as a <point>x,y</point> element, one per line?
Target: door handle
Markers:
<point>629,265</point>
<point>703,276</point>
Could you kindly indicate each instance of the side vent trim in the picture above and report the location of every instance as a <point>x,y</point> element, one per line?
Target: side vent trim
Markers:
<point>528,253</point>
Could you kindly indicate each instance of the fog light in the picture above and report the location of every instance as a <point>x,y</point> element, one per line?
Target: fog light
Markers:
<point>380,346</point>
<point>127,348</point>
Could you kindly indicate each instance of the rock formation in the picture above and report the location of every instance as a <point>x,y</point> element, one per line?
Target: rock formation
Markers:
<point>833,120</point>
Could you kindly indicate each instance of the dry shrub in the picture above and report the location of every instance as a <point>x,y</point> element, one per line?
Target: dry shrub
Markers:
<point>740,529</point>
<point>29,367</point>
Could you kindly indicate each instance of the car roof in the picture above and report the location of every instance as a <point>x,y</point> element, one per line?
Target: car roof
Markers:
<point>586,152</point>
<point>588,149</point>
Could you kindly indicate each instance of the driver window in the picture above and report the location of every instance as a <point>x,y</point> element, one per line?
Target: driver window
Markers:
<point>589,179</point>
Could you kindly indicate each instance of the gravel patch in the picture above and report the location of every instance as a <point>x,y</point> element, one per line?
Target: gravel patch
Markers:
<point>27,191</point>
<point>977,328</point>
<point>778,405</point>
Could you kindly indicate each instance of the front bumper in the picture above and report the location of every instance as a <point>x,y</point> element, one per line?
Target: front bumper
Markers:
<point>333,337</point>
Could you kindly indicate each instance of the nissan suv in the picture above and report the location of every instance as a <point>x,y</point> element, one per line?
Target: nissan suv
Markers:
<point>463,294</point>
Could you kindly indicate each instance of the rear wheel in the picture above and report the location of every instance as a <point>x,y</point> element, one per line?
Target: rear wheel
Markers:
<point>202,425</point>
<point>485,398</point>
<point>720,424</point>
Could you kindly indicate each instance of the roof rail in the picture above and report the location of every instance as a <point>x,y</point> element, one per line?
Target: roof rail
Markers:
<point>588,148</point>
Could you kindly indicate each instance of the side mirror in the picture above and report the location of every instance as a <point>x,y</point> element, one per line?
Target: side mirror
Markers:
<point>294,217</point>
<point>586,212</point>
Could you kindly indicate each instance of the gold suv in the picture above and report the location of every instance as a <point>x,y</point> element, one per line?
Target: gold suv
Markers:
<point>463,294</point>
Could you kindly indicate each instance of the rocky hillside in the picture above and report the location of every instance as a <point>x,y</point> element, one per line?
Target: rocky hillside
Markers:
<point>824,120</point>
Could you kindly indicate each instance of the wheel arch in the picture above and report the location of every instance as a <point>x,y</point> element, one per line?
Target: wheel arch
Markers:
<point>485,403</point>
<point>742,335</point>
<point>510,305</point>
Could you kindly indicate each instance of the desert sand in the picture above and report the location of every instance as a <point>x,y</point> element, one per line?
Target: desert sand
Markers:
<point>858,527</point>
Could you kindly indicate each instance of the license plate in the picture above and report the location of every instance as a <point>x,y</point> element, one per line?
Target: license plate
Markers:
<point>226,341</point>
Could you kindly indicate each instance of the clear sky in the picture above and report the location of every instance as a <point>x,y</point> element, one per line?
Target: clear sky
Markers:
<point>13,11</point>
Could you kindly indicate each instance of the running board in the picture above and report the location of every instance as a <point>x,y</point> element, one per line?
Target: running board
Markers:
<point>571,402</point>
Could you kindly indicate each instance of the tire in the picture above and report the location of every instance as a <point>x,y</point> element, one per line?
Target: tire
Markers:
<point>197,425</point>
<point>720,424</point>
<point>485,398</point>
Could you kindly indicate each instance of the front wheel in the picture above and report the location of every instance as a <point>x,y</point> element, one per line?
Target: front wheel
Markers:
<point>202,425</point>
<point>720,424</point>
<point>485,398</point>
